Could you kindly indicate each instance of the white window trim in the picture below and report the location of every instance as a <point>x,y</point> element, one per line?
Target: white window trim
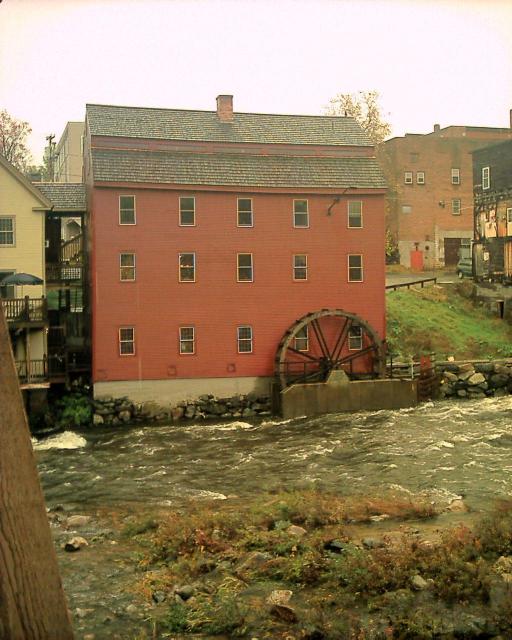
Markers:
<point>407,213</point>
<point>350,255</point>
<point>349,226</point>
<point>121,266</point>
<point>247,226</point>
<point>306,338</point>
<point>180,223</point>
<point>408,177</point>
<point>13,244</point>
<point>186,253</point>
<point>305,267</point>
<point>486,178</point>
<point>132,341</point>
<point>244,267</point>
<point>301,226</point>
<point>250,340</point>
<point>420,177</point>
<point>128,224</point>
<point>456,213</point>
<point>188,340</point>
<point>6,272</point>
<point>352,337</point>
<point>455,175</point>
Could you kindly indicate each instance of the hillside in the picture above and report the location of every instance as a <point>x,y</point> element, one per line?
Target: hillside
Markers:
<point>439,319</point>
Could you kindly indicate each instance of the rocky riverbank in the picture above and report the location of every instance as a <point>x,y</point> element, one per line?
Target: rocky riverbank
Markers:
<point>295,564</point>
<point>473,381</point>
<point>117,411</point>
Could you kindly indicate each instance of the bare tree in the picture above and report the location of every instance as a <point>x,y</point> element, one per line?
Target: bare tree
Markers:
<point>364,107</point>
<point>13,136</point>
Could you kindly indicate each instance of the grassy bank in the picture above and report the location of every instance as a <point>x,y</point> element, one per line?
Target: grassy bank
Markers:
<point>440,319</point>
<point>310,565</point>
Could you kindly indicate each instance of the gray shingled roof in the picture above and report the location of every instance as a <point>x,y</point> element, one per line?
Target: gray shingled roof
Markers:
<point>178,124</point>
<point>65,196</point>
<point>235,169</point>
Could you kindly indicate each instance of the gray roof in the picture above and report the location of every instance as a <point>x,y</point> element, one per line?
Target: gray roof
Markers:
<point>179,124</point>
<point>65,196</point>
<point>235,169</point>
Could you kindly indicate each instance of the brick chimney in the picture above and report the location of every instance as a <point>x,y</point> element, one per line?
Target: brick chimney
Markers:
<point>437,128</point>
<point>225,108</point>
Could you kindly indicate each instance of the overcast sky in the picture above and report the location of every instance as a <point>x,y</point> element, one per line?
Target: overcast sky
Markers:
<point>438,61</point>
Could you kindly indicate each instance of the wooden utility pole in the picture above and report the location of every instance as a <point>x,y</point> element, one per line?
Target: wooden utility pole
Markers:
<point>32,602</point>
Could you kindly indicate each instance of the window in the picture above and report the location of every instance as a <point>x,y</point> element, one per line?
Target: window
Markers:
<point>244,262</point>
<point>126,341</point>
<point>408,177</point>
<point>244,335</point>
<point>187,340</point>
<point>456,207</point>
<point>187,212</point>
<point>486,177</point>
<point>300,213</point>
<point>302,339</point>
<point>355,338</point>
<point>300,267</point>
<point>187,267</point>
<point>127,267</point>
<point>126,209</point>
<point>455,176</point>
<point>420,177</point>
<point>509,219</point>
<point>355,214</point>
<point>355,268</point>
<point>244,212</point>
<point>6,290</point>
<point>7,231</point>
<point>406,208</point>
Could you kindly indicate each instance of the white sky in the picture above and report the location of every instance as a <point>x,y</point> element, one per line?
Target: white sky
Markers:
<point>435,61</point>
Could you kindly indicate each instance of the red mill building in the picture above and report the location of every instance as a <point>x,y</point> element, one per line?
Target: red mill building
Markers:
<point>229,249</point>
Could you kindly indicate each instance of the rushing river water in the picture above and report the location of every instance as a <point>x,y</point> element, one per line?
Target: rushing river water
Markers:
<point>447,449</point>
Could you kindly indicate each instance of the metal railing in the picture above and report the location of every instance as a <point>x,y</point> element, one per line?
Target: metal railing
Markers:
<point>421,282</point>
<point>25,309</point>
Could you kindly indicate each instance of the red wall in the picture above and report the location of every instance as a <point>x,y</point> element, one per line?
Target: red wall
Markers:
<point>157,304</point>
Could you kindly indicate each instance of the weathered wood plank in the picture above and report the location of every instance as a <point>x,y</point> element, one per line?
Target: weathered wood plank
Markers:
<point>32,602</point>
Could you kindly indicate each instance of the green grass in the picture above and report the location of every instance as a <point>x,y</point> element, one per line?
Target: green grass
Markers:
<point>441,320</point>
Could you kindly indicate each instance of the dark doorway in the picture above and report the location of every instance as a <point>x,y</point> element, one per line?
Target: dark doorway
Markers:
<point>451,251</point>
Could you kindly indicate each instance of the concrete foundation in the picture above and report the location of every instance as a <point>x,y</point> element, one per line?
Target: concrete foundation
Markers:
<point>341,394</point>
<point>171,392</point>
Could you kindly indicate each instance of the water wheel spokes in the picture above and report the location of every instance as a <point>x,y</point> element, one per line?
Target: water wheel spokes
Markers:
<point>325,340</point>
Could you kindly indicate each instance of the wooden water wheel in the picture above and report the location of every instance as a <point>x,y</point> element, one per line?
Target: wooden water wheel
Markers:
<point>325,340</point>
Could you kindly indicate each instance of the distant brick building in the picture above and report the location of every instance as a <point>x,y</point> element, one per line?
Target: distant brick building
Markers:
<point>430,197</point>
<point>492,178</point>
<point>212,233</point>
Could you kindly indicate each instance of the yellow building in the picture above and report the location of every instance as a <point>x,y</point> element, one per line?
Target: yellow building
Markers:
<point>22,250</point>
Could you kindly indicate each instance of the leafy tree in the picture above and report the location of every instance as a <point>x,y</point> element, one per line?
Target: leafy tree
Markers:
<point>364,107</point>
<point>13,137</point>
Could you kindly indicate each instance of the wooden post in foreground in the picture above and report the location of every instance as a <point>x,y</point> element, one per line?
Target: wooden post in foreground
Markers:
<point>32,602</point>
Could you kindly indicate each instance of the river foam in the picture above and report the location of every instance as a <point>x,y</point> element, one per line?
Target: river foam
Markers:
<point>65,440</point>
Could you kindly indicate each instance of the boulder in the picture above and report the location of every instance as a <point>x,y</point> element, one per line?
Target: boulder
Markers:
<point>284,612</point>
<point>462,393</point>
<point>75,544</point>
<point>451,377</point>
<point>498,380</point>
<point>476,378</point>
<point>98,420</point>
<point>125,416</point>
<point>372,543</point>
<point>280,596</point>
<point>296,531</point>
<point>177,413</point>
<point>418,583</point>
<point>78,521</point>
<point>185,592</point>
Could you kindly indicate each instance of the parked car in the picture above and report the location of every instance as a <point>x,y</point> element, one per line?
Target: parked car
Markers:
<point>465,267</point>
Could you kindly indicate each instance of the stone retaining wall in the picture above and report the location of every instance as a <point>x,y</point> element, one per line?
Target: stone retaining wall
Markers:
<point>479,380</point>
<point>115,411</point>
